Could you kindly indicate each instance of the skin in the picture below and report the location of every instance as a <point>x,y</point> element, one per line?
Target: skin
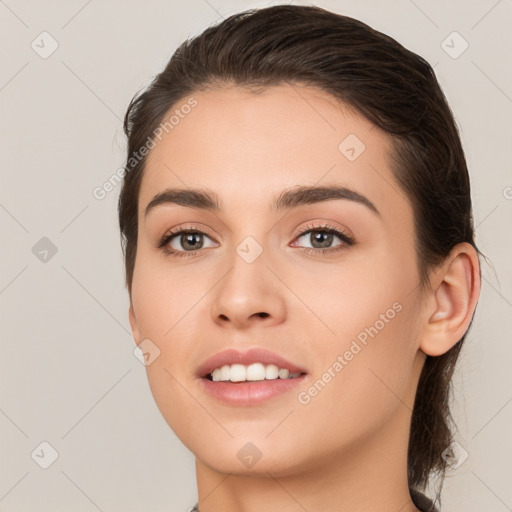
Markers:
<point>345,450</point>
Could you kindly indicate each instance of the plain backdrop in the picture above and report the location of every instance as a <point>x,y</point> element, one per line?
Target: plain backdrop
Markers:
<point>68,376</point>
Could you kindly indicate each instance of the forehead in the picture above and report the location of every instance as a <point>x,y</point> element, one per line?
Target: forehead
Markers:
<point>249,146</point>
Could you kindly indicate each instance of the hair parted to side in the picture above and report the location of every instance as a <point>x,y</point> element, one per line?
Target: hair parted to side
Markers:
<point>393,88</point>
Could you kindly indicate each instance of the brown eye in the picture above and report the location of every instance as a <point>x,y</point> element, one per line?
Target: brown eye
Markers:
<point>190,241</point>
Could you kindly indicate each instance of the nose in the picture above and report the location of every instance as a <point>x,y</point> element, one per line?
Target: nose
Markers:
<point>249,294</point>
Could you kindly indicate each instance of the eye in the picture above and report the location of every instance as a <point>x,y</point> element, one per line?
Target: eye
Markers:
<point>183,242</point>
<point>321,239</point>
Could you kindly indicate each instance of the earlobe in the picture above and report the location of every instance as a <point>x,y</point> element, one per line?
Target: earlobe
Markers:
<point>453,301</point>
<point>133,324</point>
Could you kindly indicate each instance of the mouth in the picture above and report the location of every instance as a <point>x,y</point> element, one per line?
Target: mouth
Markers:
<point>250,378</point>
<point>253,365</point>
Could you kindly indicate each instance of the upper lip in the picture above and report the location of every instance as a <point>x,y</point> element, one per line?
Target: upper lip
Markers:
<point>254,355</point>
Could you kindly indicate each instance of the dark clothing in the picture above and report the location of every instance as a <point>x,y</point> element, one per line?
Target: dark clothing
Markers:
<point>420,501</point>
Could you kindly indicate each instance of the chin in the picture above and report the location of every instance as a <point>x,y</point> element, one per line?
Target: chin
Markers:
<point>243,457</point>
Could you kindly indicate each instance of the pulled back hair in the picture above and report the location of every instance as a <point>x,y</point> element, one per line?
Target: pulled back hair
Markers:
<point>393,88</point>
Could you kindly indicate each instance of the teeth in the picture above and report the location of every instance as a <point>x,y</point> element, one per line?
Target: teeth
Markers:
<point>252,372</point>
<point>255,371</point>
<point>224,372</point>
<point>271,372</point>
<point>237,373</point>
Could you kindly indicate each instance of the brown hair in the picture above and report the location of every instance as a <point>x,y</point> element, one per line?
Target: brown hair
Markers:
<point>393,88</point>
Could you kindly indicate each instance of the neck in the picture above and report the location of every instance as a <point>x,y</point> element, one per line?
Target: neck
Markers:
<point>370,476</point>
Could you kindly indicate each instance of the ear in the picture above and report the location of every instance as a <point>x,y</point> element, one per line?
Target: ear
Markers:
<point>133,324</point>
<point>450,307</point>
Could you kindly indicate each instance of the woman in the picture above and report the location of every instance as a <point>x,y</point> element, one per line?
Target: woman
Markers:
<point>298,241</point>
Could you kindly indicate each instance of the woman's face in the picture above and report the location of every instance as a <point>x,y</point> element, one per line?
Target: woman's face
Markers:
<point>268,273</point>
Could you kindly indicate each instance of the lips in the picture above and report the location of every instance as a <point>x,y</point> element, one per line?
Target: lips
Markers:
<point>254,355</point>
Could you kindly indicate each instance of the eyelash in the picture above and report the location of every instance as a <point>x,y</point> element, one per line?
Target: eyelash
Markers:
<point>326,228</point>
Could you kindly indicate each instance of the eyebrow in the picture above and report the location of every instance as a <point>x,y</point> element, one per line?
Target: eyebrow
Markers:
<point>295,197</point>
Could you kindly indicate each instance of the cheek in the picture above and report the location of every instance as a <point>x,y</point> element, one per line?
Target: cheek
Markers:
<point>358,386</point>
<point>364,357</point>
<point>163,295</point>
<point>166,308</point>
<point>362,297</point>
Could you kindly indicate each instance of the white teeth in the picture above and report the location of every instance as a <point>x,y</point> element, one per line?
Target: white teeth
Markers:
<point>237,373</point>
<point>224,372</point>
<point>271,372</point>
<point>252,372</point>
<point>255,371</point>
<point>283,373</point>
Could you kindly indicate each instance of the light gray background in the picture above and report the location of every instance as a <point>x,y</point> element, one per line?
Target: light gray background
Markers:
<point>68,373</point>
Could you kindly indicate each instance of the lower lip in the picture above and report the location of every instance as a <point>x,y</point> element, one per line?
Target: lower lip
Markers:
<point>249,393</point>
